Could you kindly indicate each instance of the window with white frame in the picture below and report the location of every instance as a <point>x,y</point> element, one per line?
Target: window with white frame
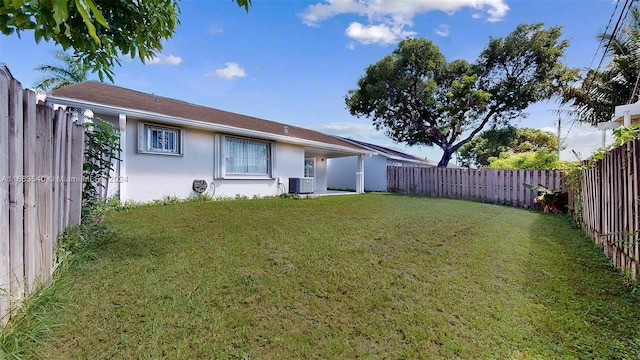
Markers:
<point>160,139</point>
<point>246,157</point>
<point>310,167</point>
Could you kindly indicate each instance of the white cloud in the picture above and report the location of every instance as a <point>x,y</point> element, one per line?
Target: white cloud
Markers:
<point>376,34</point>
<point>368,133</point>
<point>165,60</point>
<point>442,30</point>
<point>581,138</point>
<point>389,19</point>
<point>231,70</point>
<point>215,29</point>
<point>359,131</point>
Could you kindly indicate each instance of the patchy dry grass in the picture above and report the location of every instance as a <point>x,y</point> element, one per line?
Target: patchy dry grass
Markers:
<point>371,276</point>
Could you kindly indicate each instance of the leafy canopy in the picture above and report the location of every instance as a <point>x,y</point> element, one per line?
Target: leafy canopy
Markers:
<point>616,82</point>
<point>97,30</point>
<point>541,159</point>
<point>492,142</point>
<point>418,97</point>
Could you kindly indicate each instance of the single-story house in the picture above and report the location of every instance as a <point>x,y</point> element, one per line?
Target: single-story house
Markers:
<point>173,148</point>
<point>375,167</point>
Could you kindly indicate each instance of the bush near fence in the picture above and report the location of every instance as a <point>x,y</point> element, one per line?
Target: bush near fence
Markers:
<point>40,188</point>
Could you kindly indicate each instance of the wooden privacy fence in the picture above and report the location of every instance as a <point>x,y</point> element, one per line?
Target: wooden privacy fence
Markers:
<point>40,188</point>
<point>609,195</point>
<point>493,186</point>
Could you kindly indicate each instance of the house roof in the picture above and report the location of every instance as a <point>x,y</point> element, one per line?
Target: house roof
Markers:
<point>390,153</point>
<point>93,92</point>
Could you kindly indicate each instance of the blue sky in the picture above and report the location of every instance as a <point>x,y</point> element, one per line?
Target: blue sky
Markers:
<point>294,61</point>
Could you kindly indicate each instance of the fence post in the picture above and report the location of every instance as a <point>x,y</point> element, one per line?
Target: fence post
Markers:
<point>30,200</point>
<point>44,157</point>
<point>5,266</point>
<point>75,187</point>
<point>16,190</point>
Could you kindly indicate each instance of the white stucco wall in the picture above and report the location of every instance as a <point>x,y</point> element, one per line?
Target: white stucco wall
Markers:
<point>155,176</point>
<point>341,173</point>
<point>375,173</point>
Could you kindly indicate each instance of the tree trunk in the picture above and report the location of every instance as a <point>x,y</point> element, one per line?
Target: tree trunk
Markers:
<point>446,156</point>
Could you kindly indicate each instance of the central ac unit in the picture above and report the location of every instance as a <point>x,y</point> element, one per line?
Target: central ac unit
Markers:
<point>301,185</point>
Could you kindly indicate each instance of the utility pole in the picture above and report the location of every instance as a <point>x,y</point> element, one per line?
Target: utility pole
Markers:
<point>559,130</point>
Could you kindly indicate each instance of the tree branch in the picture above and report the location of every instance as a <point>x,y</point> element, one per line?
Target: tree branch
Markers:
<point>478,128</point>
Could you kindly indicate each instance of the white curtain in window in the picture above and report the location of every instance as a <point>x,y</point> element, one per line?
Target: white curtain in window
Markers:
<point>246,157</point>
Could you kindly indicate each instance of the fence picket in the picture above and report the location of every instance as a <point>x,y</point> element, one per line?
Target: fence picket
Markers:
<point>5,266</point>
<point>16,191</point>
<point>494,186</point>
<point>38,149</point>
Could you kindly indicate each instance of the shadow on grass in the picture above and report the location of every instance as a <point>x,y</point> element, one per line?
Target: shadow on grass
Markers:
<point>588,309</point>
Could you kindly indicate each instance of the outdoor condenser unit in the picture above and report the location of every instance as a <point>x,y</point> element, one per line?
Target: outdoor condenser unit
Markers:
<point>301,185</point>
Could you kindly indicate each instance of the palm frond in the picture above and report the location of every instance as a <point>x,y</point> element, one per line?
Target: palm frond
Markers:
<point>66,71</point>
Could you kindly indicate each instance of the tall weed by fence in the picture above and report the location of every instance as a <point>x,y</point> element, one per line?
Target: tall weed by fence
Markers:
<point>609,196</point>
<point>40,188</point>
<point>493,186</point>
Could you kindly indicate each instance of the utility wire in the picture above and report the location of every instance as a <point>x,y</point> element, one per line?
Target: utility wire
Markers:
<point>623,14</point>
<point>606,30</point>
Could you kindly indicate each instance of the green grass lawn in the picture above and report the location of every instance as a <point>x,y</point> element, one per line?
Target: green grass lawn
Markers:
<point>359,276</point>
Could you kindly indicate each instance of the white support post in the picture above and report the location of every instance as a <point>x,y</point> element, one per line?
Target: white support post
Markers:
<point>360,175</point>
<point>627,118</point>
<point>122,164</point>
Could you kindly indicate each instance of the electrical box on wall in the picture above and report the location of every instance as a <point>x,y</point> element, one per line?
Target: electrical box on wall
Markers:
<point>303,185</point>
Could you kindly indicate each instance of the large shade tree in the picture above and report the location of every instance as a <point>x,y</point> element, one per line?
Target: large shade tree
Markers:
<point>617,81</point>
<point>418,97</point>
<point>97,31</point>
<point>494,141</point>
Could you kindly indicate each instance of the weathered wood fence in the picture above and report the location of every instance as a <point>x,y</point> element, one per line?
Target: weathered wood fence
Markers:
<point>40,188</point>
<point>608,202</point>
<point>493,186</point>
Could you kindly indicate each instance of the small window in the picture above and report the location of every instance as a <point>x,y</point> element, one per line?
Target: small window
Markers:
<point>160,140</point>
<point>310,167</point>
<point>245,157</point>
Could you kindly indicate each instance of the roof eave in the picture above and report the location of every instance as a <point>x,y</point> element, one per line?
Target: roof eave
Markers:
<point>172,120</point>
<point>385,154</point>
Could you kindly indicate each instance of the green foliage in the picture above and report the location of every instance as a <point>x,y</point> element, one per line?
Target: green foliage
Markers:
<point>621,136</point>
<point>78,244</point>
<point>614,83</point>
<point>549,200</point>
<point>542,159</point>
<point>36,317</point>
<point>418,97</point>
<point>625,134</point>
<point>33,321</point>
<point>69,70</point>
<point>102,148</point>
<point>493,142</point>
<point>97,31</point>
